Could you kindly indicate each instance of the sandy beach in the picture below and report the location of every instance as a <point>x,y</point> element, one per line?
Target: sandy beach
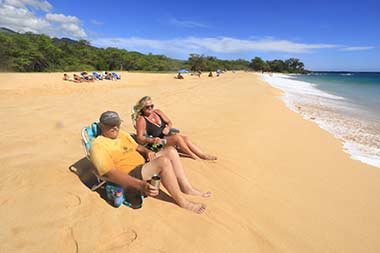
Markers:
<point>281,184</point>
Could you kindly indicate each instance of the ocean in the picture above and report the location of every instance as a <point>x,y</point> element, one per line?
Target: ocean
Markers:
<point>346,104</point>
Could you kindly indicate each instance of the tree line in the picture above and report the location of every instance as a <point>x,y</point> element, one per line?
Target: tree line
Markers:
<point>30,52</point>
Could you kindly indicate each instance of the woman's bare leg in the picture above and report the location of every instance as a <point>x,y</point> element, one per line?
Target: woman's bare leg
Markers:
<point>179,172</point>
<point>163,166</point>
<point>178,141</point>
<point>196,150</point>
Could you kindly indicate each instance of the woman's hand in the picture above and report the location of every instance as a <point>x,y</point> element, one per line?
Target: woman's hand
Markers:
<point>157,140</point>
<point>166,130</point>
<point>151,156</point>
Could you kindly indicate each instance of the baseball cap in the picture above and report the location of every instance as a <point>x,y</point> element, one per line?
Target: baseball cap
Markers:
<point>110,118</point>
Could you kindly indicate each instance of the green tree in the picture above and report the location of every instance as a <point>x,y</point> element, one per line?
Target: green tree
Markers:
<point>33,52</point>
<point>257,64</point>
<point>294,65</point>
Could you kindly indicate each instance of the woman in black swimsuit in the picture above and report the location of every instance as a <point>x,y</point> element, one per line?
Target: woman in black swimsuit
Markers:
<point>153,122</point>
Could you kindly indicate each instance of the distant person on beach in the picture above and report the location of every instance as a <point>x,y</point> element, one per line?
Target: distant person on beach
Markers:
<point>155,123</point>
<point>66,77</point>
<point>210,74</point>
<point>87,77</point>
<point>179,76</point>
<point>79,79</point>
<point>109,76</point>
<point>120,159</point>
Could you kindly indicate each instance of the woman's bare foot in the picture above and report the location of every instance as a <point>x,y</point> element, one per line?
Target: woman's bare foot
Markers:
<point>194,207</point>
<point>197,192</point>
<point>210,157</point>
<point>194,157</point>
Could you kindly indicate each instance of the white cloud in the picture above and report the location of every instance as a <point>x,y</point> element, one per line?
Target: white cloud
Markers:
<point>22,20</point>
<point>73,30</point>
<point>68,25</point>
<point>60,18</point>
<point>36,4</point>
<point>357,48</point>
<point>216,45</point>
<point>187,23</point>
<point>17,15</point>
<point>232,45</point>
<point>96,22</point>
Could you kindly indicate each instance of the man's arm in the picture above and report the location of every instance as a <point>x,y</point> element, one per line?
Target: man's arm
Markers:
<point>148,154</point>
<point>125,180</point>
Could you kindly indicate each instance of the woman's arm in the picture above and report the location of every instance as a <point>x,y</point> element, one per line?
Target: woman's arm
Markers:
<point>168,122</point>
<point>140,131</point>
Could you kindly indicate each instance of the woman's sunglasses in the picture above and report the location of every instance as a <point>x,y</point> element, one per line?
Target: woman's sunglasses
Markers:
<point>149,107</point>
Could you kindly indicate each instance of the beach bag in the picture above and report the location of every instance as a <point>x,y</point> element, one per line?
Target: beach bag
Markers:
<point>111,190</point>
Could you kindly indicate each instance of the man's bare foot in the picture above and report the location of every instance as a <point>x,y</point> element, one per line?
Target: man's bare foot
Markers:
<point>197,192</point>
<point>194,207</point>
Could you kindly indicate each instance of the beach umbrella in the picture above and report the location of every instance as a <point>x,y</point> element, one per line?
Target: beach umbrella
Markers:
<point>183,71</point>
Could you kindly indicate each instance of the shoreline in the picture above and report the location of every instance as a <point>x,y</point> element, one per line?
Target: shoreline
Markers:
<point>330,113</point>
<point>281,184</point>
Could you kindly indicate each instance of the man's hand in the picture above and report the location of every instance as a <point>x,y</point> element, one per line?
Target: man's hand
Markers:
<point>150,156</point>
<point>149,190</point>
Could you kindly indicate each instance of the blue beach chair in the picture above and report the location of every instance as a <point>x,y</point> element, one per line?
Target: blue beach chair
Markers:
<point>88,134</point>
<point>117,76</point>
<point>97,76</point>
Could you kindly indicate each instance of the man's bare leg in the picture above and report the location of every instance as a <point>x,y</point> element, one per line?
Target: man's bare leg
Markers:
<point>163,166</point>
<point>179,172</point>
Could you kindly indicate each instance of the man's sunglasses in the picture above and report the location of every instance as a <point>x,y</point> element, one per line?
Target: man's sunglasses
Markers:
<point>149,107</point>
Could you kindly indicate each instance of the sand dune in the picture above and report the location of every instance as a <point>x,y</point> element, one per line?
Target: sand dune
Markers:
<point>281,184</point>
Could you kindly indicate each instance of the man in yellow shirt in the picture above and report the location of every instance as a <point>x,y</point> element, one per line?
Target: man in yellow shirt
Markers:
<point>120,159</point>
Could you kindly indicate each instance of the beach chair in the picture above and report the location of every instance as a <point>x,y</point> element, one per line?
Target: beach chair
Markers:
<point>88,134</point>
<point>117,76</point>
<point>97,76</point>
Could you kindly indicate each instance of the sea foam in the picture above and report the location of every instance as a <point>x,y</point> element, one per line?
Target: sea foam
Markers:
<point>361,139</point>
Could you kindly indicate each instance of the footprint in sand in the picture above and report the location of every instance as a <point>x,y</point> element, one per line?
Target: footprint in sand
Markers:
<point>72,200</point>
<point>3,202</point>
<point>119,241</point>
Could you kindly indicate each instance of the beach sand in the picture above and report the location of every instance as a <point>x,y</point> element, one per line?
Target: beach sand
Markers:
<point>281,183</point>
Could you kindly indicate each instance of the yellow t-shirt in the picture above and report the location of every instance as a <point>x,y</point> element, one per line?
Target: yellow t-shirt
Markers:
<point>120,153</point>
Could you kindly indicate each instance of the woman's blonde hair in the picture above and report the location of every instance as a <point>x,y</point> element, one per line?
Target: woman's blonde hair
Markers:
<point>138,107</point>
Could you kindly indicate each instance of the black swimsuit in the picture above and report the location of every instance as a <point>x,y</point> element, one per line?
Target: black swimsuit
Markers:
<point>154,130</point>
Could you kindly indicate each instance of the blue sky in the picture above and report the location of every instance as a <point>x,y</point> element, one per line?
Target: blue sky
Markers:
<point>325,35</point>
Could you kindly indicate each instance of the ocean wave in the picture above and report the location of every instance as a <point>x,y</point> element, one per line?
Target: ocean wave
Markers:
<point>361,139</point>
<point>287,84</point>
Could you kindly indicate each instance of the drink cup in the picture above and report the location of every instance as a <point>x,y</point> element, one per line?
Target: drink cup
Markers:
<point>155,180</point>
